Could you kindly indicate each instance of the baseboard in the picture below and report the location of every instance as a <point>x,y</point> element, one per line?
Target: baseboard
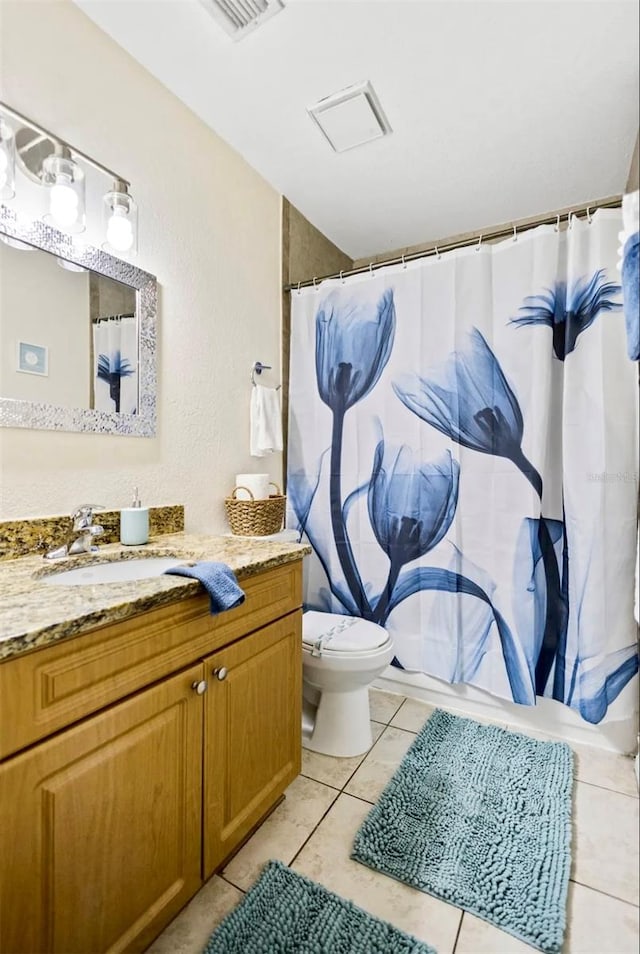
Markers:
<point>614,734</point>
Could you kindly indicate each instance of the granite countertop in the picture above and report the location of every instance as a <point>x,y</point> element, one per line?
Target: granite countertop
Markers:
<point>34,613</point>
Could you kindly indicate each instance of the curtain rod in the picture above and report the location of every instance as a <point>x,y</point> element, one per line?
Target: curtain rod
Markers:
<point>550,218</point>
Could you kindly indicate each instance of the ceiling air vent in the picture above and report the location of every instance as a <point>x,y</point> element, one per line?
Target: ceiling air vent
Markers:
<point>239,17</point>
<point>351,117</point>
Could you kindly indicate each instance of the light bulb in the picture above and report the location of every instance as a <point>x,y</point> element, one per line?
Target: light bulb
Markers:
<point>120,230</point>
<point>63,204</point>
<point>4,168</point>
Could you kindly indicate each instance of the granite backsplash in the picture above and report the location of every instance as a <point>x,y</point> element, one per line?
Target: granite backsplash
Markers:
<point>38,534</point>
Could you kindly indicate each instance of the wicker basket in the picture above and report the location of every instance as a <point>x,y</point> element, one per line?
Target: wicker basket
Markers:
<point>255,518</point>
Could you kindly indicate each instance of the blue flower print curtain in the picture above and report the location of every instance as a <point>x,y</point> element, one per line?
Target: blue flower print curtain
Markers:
<point>115,349</point>
<point>463,460</point>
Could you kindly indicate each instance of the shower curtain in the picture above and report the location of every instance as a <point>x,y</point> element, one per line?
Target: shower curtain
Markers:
<point>463,455</point>
<point>115,351</point>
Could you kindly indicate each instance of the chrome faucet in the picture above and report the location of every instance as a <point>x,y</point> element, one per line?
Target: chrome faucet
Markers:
<point>82,534</point>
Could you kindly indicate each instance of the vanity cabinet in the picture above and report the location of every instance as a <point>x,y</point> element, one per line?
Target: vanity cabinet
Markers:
<point>252,733</point>
<point>148,780</point>
<point>101,826</point>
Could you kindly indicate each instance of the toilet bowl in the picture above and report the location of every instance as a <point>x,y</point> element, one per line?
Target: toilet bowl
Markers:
<point>341,656</point>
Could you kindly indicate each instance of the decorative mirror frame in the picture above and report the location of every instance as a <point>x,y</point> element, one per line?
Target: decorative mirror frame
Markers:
<point>19,413</point>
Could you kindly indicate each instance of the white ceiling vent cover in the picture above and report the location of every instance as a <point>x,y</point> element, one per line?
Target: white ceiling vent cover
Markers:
<point>239,17</point>
<point>351,117</point>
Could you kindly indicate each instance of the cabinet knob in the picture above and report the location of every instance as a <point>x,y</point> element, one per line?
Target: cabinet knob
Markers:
<point>220,673</point>
<point>199,686</point>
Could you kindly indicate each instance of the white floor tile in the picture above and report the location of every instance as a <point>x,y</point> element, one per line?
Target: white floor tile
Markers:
<point>480,937</point>
<point>380,764</point>
<point>598,767</point>
<point>412,715</point>
<point>283,833</point>
<point>605,841</point>
<point>598,924</point>
<point>190,931</point>
<point>331,770</point>
<point>384,705</point>
<point>325,858</point>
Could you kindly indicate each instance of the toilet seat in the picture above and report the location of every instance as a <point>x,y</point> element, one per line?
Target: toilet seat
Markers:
<point>332,634</point>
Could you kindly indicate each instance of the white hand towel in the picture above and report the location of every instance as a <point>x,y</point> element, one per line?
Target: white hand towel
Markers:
<point>266,421</point>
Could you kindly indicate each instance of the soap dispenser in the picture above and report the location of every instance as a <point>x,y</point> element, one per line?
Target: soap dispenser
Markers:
<point>134,523</point>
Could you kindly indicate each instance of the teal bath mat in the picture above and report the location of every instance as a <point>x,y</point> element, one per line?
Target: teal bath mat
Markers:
<point>481,818</point>
<point>285,913</point>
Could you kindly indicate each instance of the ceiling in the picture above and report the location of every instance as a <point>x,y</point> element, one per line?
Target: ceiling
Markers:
<point>499,110</point>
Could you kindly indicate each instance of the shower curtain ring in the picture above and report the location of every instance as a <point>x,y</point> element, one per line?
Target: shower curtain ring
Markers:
<point>570,221</point>
<point>371,269</point>
<point>315,287</point>
<point>479,244</point>
<point>438,254</point>
<point>299,288</point>
<point>404,264</point>
<point>515,234</point>
<point>341,278</point>
<point>556,227</point>
<point>589,214</point>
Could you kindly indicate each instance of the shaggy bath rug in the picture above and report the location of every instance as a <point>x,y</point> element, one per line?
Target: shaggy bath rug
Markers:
<point>480,817</point>
<point>286,913</point>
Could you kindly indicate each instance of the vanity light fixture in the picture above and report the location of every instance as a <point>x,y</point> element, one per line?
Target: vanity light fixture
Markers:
<point>58,166</point>
<point>7,161</point>
<point>64,179</point>
<point>120,219</point>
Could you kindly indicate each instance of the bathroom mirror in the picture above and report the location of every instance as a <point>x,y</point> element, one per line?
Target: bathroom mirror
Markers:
<point>77,335</point>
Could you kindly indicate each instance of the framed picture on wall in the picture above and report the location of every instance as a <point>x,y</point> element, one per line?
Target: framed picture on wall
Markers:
<point>33,359</point>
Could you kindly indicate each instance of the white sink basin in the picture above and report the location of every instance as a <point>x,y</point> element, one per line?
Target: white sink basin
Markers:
<point>117,571</point>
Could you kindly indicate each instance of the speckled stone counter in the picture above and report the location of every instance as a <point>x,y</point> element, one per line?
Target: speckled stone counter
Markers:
<point>34,613</point>
<point>39,534</point>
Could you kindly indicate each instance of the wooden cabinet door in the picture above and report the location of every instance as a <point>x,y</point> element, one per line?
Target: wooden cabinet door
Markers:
<point>252,732</point>
<point>100,837</point>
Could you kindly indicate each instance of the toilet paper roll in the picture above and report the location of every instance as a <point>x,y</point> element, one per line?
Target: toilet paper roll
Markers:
<point>258,484</point>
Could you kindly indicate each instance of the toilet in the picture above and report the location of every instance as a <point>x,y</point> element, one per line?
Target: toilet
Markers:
<point>341,656</point>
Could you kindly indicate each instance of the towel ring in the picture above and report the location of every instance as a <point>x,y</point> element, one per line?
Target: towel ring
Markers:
<point>258,368</point>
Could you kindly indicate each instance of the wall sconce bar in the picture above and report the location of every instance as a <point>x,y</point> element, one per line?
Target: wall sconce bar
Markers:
<point>52,163</point>
<point>4,108</point>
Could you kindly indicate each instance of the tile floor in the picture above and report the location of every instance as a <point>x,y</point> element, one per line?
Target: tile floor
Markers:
<point>313,828</point>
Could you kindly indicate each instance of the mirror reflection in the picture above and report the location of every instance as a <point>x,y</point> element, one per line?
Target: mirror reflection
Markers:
<point>68,335</point>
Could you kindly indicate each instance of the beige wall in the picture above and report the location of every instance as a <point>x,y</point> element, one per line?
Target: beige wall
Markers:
<point>210,229</point>
<point>305,252</point>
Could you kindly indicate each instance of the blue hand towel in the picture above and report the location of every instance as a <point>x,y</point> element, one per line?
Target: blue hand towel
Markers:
<point>631,293</point>
<point>219,581</point>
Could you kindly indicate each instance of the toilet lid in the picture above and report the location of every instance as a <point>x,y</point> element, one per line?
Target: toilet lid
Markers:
<point>330,631</point>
